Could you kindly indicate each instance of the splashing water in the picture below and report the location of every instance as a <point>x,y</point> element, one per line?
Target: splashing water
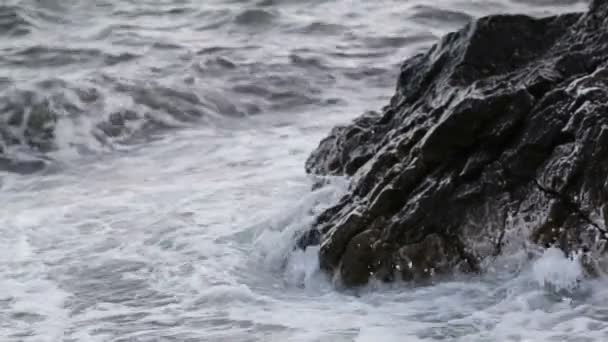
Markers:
<point>176,186</point>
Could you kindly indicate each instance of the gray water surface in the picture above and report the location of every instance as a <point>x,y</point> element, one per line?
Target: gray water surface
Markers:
<point>179,225</point>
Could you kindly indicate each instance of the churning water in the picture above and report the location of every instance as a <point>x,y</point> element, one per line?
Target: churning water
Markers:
<point>175,183</point>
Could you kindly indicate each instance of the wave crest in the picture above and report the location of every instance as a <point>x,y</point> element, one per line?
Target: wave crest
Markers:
<point>13,22</point>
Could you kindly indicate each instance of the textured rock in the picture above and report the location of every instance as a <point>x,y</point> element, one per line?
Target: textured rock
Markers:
<point>497,136</point>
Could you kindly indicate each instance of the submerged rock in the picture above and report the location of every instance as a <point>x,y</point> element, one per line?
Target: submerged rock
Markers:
<point>495,137</point>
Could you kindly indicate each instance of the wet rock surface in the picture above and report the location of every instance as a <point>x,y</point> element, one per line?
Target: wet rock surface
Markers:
<point>495,137</point>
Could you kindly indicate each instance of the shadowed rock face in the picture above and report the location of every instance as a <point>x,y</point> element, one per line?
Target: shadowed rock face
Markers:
<point>495,137</point>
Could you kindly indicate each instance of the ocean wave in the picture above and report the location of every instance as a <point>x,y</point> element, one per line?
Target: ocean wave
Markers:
<point>103,111</point>
<point>89,116</point>
<point>431,14</point>
<point>255,17</point>
<point>321,28</point>
<point>13,22</point>
<point>49,56</point>
<point>137,12</point>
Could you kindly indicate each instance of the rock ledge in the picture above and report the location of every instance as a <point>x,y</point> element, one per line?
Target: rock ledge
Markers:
<point>495,137</point>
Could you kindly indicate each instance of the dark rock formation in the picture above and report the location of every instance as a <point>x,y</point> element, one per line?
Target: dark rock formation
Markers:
<point>497,136</point>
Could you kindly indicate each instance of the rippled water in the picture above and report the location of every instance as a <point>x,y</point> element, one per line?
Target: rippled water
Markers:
<point>174,182</point>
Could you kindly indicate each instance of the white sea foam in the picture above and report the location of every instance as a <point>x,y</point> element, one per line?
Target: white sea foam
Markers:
<point>157,244</point>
